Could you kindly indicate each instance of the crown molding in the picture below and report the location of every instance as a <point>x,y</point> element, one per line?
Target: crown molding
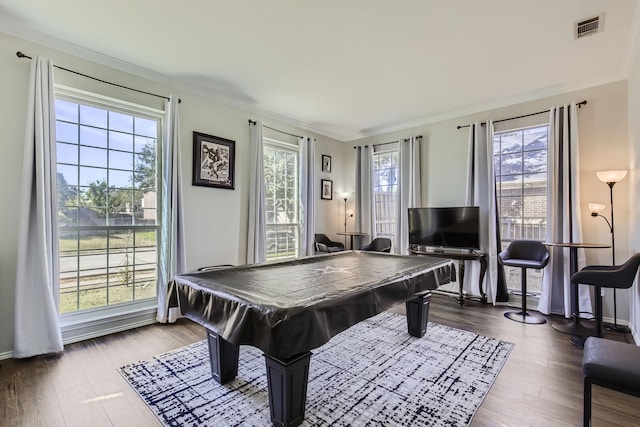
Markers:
<point>488,106</point>
<point>15,30</point>
<point>12,28</point>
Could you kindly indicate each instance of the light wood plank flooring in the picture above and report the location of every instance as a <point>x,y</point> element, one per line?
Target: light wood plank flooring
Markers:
<point>540,385</point>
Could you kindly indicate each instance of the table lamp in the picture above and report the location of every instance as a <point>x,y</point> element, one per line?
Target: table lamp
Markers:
<point>610,178</point>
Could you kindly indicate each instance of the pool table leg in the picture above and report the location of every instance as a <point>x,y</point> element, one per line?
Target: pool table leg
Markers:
<point>287,387</point>
<point>418,315</point>
<point>223,356</point>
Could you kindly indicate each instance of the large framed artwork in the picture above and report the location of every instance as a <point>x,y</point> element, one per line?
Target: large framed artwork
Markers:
<point>213,161</point>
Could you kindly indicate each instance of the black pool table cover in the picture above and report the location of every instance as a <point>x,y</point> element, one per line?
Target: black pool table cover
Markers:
<point>287,308</point>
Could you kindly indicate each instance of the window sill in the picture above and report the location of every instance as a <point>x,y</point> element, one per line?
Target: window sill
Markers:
<point>82,326</point>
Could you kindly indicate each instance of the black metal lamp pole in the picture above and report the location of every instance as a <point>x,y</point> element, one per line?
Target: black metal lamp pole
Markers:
<point>610,178</point>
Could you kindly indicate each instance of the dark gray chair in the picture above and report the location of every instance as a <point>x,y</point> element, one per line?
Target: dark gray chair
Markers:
<point>605,276</point>
<point>379,244</point>
<point>326,245</point>
<point>524,254</point>
<point>609,364</point>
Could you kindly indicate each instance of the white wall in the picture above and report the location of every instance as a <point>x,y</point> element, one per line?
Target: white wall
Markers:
<point>603,145</point>
<point>216,219</point>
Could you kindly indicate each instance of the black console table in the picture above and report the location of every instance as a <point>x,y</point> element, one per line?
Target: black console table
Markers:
<point>461,257</point>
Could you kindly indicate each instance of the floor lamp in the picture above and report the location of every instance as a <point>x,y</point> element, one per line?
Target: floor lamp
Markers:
<point>610,178</point>
<point>345,196</point>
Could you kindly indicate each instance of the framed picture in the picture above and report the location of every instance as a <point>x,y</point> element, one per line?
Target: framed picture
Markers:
<point>326,163</point>
<point>326,189</point>
<point>213,161</point>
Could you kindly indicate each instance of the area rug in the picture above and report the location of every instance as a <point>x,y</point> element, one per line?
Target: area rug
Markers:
<point>373,373</point>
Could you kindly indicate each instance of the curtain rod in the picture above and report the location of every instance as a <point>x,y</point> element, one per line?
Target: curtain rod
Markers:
<point>579,104</point>
<point>253,122</point>
<point>22,55</point>
<point>386,143</point>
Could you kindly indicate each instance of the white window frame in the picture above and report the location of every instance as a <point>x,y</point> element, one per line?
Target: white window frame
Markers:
<point>389,206</point>
<point>293,149</point>
<point>90,323</point>
<point>527,231</point>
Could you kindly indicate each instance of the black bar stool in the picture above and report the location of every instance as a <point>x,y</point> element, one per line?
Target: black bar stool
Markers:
<point>524,254</point>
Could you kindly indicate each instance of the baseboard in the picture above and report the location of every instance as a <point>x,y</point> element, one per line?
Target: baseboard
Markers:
<point>6,355</point>
<point>99,327</point>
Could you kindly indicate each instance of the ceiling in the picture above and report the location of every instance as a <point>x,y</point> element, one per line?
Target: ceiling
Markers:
<point>345,68</point>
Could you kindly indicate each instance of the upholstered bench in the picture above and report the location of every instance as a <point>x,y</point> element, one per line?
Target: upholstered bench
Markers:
<point>609,364</point>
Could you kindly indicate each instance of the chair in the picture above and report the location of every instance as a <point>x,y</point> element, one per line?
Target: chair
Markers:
<point>324,244</point>
<point>605,276</point>
<point>379,244</point>
<point>524,254</point>
<point>609,364</point>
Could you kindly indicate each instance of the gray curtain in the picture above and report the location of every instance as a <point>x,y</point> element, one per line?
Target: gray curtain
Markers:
<point>172,249</point>
<point>409,189</point>
<point>481,192</point>
<point>257,234</point>
<point>364,214</point>
<point>36,326</point>
<point>563,212</point>
<point>307,147</point>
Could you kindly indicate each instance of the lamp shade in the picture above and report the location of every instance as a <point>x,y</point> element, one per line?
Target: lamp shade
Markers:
<point>596,208</point>
<point>611,176</point>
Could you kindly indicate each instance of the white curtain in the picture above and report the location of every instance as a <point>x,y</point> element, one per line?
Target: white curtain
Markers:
<point>481,192</point>
<point>307,156</point>
<point>257,234</point>
<point>36,326</point>
<point>563,212</point>
<point>172,249</point>
<point>364,215</point>
<point>409,190</point>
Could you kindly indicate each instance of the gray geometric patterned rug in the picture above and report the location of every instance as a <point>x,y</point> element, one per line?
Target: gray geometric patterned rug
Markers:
<point>373,373</point>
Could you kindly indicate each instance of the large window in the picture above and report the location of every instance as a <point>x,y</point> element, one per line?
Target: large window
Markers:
<point>108,214</point>
<point>385,189</point>
<point>281,200</point>
<point>520,159</point>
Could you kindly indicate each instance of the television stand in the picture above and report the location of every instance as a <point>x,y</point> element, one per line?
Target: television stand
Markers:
<point>461,257</point>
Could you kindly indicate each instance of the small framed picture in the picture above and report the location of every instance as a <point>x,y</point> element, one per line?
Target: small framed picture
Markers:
<point>326,163</point>
<point>326,189</point>
<point>213,161</point>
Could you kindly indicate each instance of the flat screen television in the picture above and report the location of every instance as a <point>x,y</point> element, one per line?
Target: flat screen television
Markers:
<point>446,227</point>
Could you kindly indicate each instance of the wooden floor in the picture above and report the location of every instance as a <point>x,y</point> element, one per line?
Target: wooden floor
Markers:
<point>540,385</point>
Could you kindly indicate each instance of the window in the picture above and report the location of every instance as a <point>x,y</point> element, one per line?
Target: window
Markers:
<point>385,189</point>
<point>281,200</point>
<point>520,161</point>
<point>108,219</point>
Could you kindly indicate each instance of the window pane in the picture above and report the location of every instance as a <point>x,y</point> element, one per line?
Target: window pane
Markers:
<point>521,164</point>
<point>66,132</point>
<point>535,161</point>
<point>67,111</point>
<point>119,179</point>
<point>121,122</point>
<point>120,160</point>
<point>281,202</point>
<point>120,141</point>
<point>93,137</point>
<point>67,153</point>
<point>93,157</point>
<point>93,116</point>
<point>385,192</point>
<point>106,258</point>
<point>146,127</point>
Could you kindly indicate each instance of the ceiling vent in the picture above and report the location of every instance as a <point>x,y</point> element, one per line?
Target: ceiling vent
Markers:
<point>589,26</point>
